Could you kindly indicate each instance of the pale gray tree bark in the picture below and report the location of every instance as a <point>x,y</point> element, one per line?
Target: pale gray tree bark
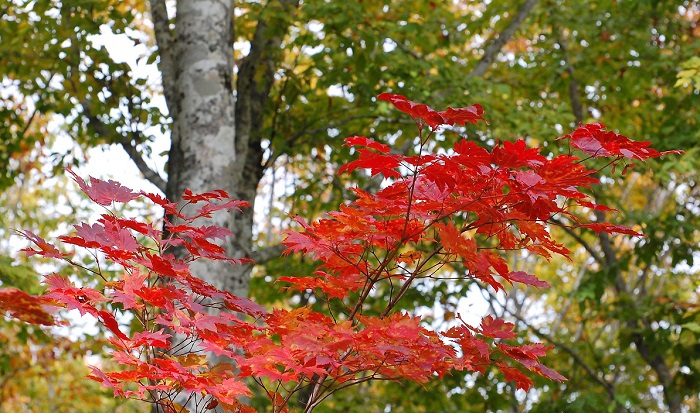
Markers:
<point>216,129</point>
<point>202,152</point>
<point>217,123</point>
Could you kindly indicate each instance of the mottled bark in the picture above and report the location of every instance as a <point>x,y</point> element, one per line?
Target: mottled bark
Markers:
<point>202,152</point>
<point>198,60</point>
<point>216,141</point>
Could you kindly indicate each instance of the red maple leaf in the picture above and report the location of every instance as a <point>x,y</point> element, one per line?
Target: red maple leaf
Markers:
<point>333,286</point>
<point>469,114</point>
<point>125,290</point>
<point>213,231</point>
<point>513,374</point>
<point>368,143</point>
<point>516,154</point>
<point>45,249</point>
<point>106,234</point>
<point>593,206</point>
<point>376,163</point>
<point>595,141</point>
<point>104,192</point>
<point>497,328</point>
<point>106,381</point>
<point>170,208</point>
<point>64,291</point>
<point>527,279</point>
<point>160,265</point>
<point>416,110</point>
<point>153,339</point>
<point>110,322</point>
<point>208,209</point>
<point>599,227</point>
<point>28,308</point>
<point>437,209</point>
<point>204,196</point>
<point>462,116</point>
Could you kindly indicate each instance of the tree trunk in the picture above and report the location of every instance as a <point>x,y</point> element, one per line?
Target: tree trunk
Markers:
<point>203,151</point>
<point>216,142</point>
<point>216,145</point>
<point>202,155</point>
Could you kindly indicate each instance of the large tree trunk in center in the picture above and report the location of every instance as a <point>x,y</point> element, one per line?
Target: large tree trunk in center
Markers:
<point>215,142</point>
<point>201,102</point>
<point>203,152</point>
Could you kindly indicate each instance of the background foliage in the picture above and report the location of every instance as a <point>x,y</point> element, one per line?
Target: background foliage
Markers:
<point>631,65</point>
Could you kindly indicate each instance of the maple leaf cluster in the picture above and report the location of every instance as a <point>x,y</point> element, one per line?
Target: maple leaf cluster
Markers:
<point>458,210</point>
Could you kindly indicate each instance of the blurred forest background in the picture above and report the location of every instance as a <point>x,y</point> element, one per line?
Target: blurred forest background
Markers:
<point>623,316</point>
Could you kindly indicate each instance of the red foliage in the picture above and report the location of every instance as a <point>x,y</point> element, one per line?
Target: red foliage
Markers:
<point>104,192</point>
<point>28,308</point>
<point>595,141</point>
<point>419,111</point>
<point>460,207</point>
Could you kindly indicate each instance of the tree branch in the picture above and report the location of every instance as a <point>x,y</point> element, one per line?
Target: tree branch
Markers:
<point>581,241</point>
<point>102,129</point>
<point>577,359</point>
<point>148,173</point>
<point>403,48</point>
<point>256,71</point>
<point>655,360</point>
<point>574,88</point>
<point>610,256</point>
<point>658,364</point>
<point>264,255</point>
<point>502,38</point>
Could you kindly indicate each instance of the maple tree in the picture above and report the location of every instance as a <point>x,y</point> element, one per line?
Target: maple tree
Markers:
<point>433,211</point>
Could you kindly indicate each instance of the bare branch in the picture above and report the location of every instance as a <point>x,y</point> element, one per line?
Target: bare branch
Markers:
<point>577,359</point>
<point>502,38</point>
<point>658,364</point>
<point>266,254</point>
<point>148,173</point>
<point>102,129</point>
